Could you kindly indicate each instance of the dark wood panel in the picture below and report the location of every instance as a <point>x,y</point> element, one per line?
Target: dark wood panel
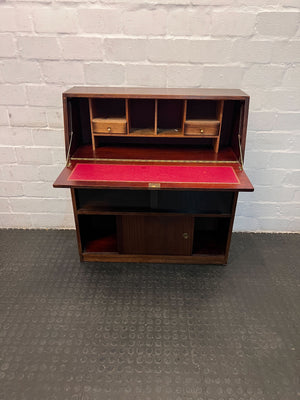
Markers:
<point>139,234</point>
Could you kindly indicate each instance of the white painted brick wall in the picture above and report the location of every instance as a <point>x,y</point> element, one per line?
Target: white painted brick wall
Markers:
<point>61,72</point>
<point>38,47</point>
<point>81,48</point>
<point>100,73</point>
<point>55,20</point>
<point>47,46</point>
<point>21,71</point>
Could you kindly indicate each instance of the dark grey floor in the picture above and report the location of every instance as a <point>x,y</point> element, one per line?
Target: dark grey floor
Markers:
<point>85,331</point>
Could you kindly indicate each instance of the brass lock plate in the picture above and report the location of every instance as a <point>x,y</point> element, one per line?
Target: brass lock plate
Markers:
<point>154,185</point>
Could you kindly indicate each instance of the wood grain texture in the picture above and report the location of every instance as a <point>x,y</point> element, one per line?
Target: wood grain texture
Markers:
<point>179,93</point>
<point>148,234</point>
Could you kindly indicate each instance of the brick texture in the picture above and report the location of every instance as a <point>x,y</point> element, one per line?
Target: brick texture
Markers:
<point>47,46</point>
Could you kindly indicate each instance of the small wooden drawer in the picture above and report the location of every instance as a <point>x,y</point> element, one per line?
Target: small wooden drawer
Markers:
<point>109,125</point>
<point>198,127</point>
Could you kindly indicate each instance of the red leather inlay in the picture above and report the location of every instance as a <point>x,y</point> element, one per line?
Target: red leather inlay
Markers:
<point>153,173</point>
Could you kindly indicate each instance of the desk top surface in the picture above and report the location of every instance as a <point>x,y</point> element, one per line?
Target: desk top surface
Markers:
<point>135,92</point>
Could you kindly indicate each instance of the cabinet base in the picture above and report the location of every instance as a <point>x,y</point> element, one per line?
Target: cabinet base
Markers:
<point>161,259</point>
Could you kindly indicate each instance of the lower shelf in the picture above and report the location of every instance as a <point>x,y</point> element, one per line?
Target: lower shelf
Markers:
<point>116,257</point>
<point>107,244</point>
<point>211,236</point>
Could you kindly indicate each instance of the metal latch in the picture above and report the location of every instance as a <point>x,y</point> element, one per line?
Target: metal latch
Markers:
<point>241,153</point>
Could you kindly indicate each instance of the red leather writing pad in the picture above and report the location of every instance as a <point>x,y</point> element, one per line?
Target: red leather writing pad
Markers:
<point>153,173</point>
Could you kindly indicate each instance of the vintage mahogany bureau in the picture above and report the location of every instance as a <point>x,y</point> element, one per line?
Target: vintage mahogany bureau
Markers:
<point>154,173</point>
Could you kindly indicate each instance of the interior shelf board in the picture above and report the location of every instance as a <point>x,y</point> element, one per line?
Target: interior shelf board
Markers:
<point>169,132</point>
<point>94,210</point>
<point>141,132</point>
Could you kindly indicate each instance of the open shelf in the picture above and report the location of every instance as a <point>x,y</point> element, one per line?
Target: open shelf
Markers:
<point>98,233</point>
<point>141,115</point>
<point>105,244</point>
<point>170,117</point>
<point>157,118</point>
<point>199,203</point>
<point>202,109</point>
<point>210,235</point>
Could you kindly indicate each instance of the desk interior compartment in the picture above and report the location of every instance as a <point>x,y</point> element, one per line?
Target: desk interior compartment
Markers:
<point>142,116</point>
<point>203,118</point>
<point>107,117</point>
<point>170,117</point>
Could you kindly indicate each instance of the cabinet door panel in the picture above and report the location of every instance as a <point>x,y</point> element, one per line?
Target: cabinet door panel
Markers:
<point>155,235</point>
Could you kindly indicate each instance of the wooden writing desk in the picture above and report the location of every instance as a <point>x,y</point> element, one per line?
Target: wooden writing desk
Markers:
<point>154,173</point>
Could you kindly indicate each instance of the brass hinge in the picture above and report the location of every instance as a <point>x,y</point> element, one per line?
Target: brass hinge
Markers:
<point>68,164</point>
<point>241,154</point>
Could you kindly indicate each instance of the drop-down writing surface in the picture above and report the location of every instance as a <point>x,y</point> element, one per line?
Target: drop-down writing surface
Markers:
<point>222,177</point>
